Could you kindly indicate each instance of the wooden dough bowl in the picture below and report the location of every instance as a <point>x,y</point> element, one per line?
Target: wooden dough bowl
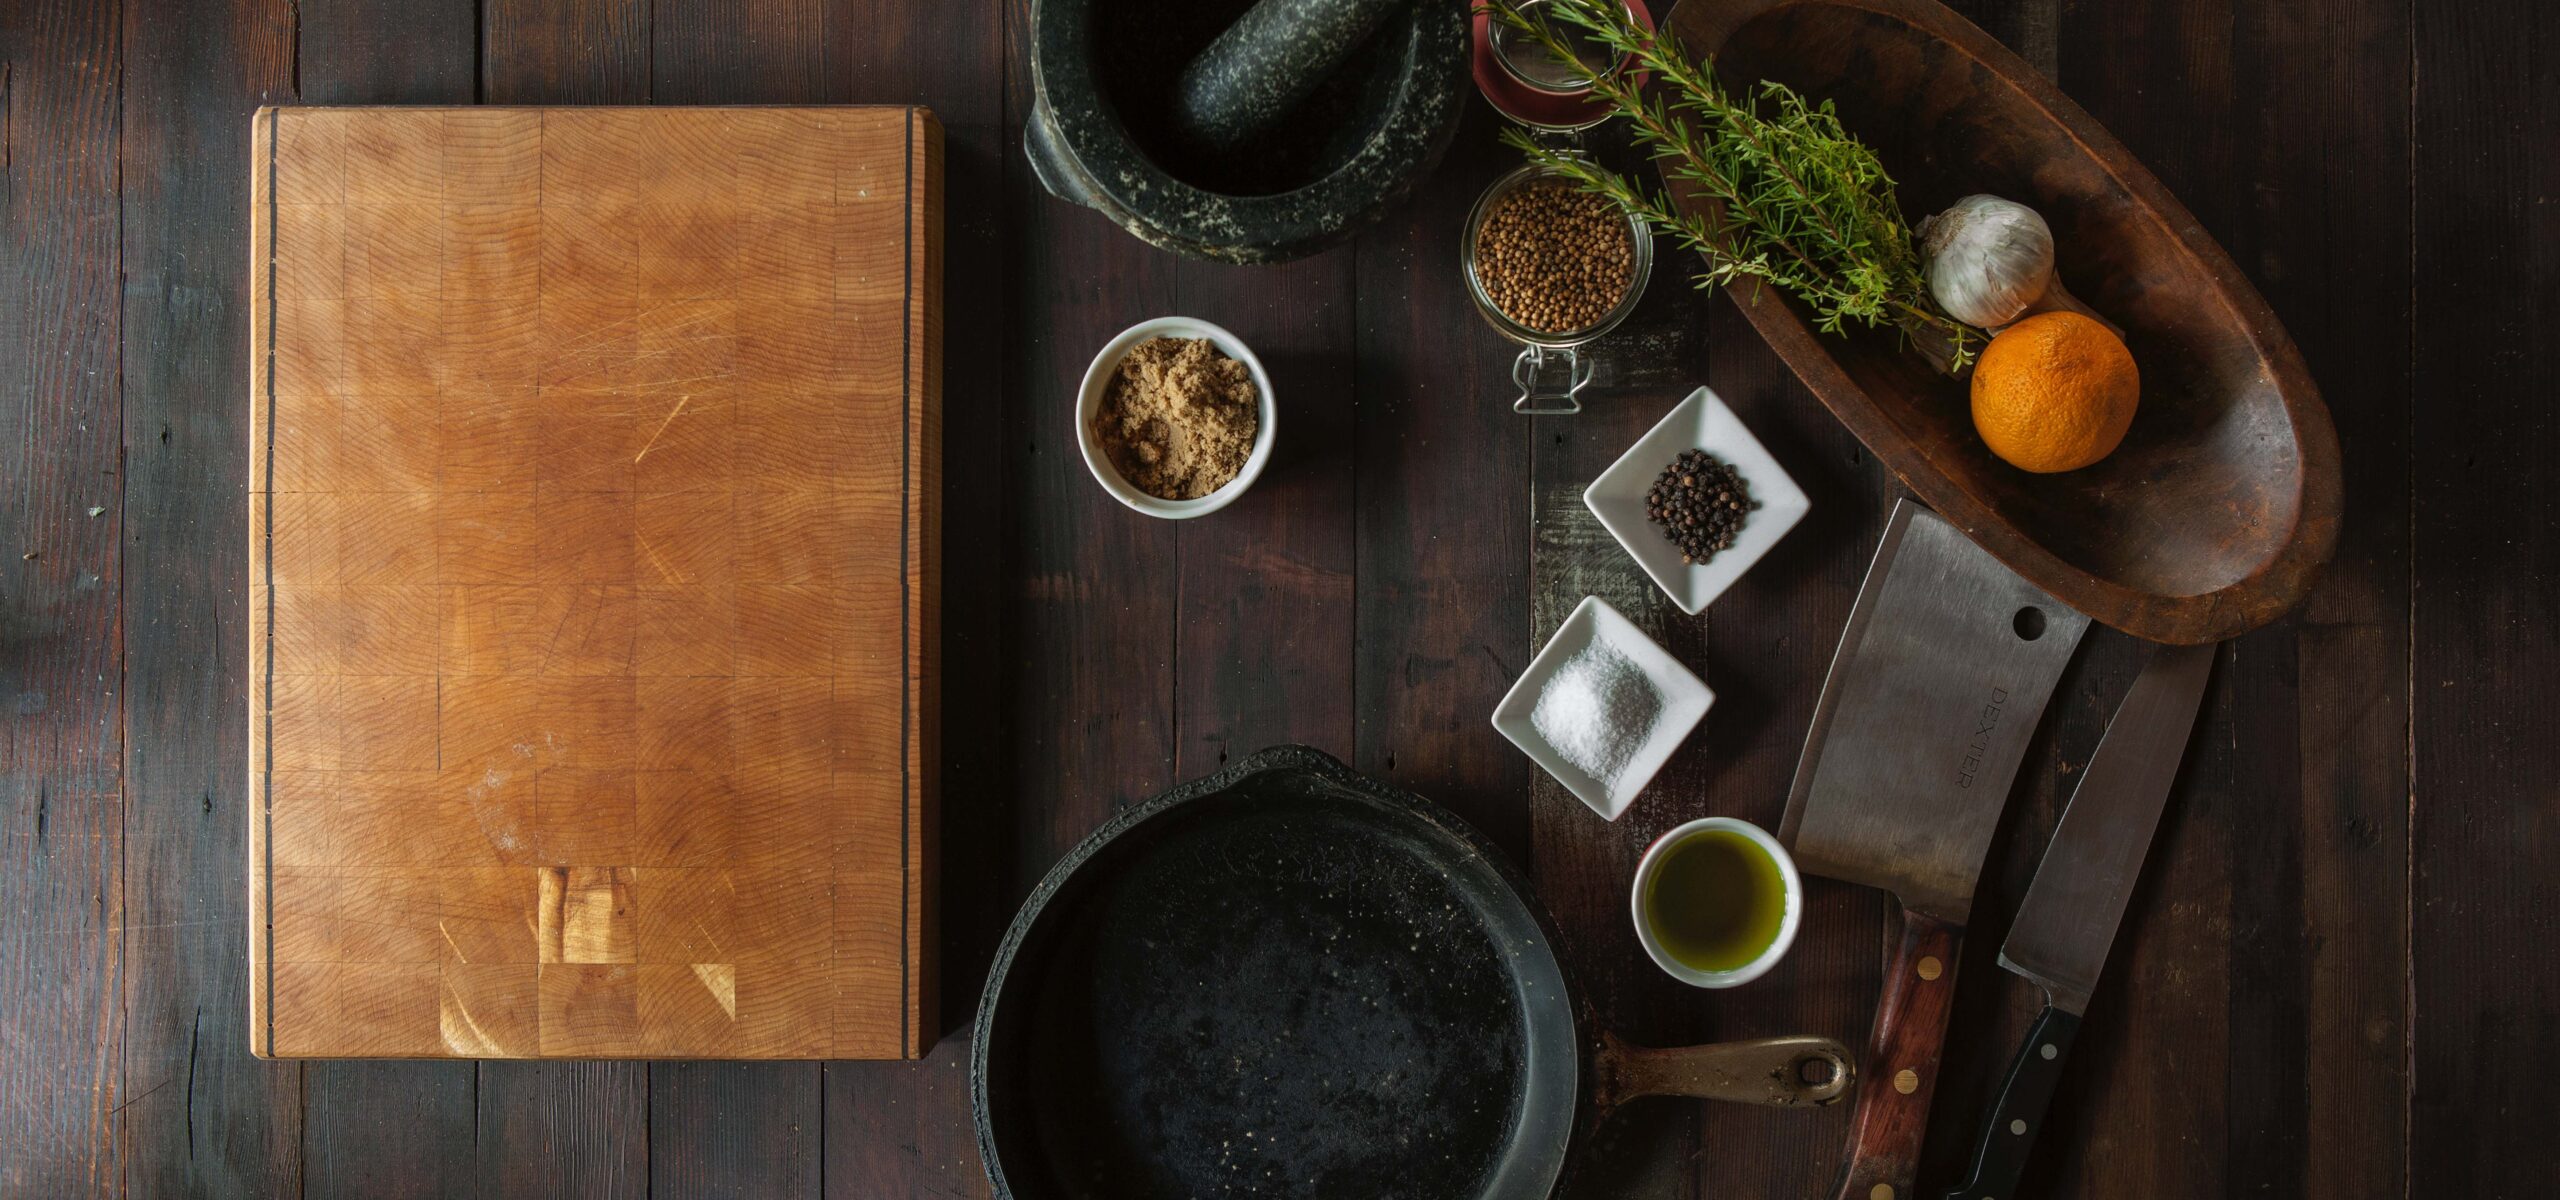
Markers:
<point>2214,516</point>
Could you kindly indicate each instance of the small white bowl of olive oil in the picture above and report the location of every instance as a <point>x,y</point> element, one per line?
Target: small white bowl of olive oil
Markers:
<point>1717,902</point>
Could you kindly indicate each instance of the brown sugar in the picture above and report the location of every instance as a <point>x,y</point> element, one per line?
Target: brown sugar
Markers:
<point>1178,418</point>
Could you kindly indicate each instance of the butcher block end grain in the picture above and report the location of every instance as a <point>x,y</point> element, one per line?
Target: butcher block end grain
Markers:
<point>593,549</point>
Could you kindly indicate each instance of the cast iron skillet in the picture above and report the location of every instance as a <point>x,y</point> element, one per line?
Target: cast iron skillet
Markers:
<point>1289,980</point>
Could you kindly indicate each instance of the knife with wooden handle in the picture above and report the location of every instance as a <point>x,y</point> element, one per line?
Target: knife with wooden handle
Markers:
<point>1942,673</point>
<point>2069,917</point>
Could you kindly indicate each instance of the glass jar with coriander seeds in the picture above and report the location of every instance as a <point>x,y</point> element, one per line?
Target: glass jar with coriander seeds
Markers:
<point>1553,266</point>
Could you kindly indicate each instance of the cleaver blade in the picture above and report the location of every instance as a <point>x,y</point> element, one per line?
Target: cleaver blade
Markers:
<point>1941,676</point>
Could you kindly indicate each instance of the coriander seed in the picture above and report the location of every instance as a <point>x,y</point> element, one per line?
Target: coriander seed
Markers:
<point>1555,258</point>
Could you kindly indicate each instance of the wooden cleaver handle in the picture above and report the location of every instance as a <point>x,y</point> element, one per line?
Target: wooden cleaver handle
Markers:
<point>1901,1068</point>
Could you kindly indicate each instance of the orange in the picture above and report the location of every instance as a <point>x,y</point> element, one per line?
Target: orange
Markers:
<point>2054,392</point>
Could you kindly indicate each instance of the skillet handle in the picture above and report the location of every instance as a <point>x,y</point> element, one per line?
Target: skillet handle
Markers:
<point>1781,1072</point>
<point>1902,1060</point>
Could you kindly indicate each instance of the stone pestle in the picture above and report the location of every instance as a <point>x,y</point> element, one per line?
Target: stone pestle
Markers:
<point>1248,80</point>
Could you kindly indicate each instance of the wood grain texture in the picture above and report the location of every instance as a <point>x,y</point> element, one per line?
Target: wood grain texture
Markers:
<point>735,1130</point>
<point>360,1142</point>
<point>897,1129</point>
<point>2486,798</point>
<point>2252,1035</point>
<point>372,55</point>
<point>188,93</point>
<point>563,52</point>
<point>1444,514</point>
<point>592,1119</point>
<point>355,1103</point>
<point>1899,1069</point>
<point>2217,512</point>
<point>701,44</point>
<point>585,730</point>
<point>568,1129</point>
<point>1265,628</point>
<point>62,1029</point>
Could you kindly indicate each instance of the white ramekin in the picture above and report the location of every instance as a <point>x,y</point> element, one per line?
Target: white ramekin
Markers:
<point>1652,865</point>
<point>1098,377</point>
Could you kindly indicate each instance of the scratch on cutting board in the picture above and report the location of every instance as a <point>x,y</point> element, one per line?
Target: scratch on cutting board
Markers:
<point>672,414</point>
<point>462,1034</point>
<point>665,571</point>
<point>448,940</point>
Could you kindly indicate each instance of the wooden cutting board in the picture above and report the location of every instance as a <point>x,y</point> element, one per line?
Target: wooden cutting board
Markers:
<point>593,551</point>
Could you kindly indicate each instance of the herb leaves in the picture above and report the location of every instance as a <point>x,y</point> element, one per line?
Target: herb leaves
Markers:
<point>1798,203</point>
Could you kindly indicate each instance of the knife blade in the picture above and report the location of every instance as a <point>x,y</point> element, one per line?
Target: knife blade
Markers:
<point>2069,917</point>
<point>1942,673</point>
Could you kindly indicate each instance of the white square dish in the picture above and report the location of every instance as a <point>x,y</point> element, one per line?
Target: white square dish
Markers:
<point>1700,422</point>
<point>1685,699</point>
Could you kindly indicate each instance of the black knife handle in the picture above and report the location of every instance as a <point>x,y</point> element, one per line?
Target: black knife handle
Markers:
<point>2019,1115</point>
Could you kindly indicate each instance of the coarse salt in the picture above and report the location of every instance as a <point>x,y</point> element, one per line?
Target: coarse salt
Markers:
<point>1598,710</point>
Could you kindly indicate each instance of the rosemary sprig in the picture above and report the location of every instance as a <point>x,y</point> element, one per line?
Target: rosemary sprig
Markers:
<point>1800,204</point>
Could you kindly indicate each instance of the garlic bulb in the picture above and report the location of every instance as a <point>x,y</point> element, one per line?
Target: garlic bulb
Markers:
<point>1988,260</point>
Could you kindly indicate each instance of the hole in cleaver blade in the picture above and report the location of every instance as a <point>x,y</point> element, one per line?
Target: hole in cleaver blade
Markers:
<point>1940,678</point>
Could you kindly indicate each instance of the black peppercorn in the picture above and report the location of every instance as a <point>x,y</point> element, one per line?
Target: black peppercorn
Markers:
<point>1700,503</point>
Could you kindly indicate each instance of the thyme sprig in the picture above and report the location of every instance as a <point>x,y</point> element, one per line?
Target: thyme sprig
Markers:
<point>1800,204</point>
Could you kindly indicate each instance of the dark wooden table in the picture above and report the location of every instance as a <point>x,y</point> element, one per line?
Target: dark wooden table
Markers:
<point>2337,978</point>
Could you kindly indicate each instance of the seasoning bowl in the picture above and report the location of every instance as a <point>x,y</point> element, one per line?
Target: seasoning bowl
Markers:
<point>1701,422</point>
<point>1097,378</point>
<point>1684,702</point>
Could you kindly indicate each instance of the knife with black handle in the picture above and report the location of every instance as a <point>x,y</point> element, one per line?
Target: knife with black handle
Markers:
<point>2069,917</point>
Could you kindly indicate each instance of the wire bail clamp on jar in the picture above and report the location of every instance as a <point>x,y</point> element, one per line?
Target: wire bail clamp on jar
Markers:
<point>1552,98</point>
<point>1551,369</point>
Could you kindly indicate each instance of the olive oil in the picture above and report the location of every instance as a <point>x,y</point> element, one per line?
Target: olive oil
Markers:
<point>1717,901</point>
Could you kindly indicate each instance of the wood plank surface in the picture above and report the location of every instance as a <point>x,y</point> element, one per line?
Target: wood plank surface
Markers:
<point>2329,982</point>
<point>205,1118</point>
<point>62,1030</point>
<point>2485,797</point>
<point>1264,630</point>
<point>389,1128</point>
<point>2289,927</point>
<point>1443,540</point>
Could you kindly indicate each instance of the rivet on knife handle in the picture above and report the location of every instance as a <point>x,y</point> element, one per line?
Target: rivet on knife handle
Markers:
<point>1902,1060</point>
<point>2020,1113</point>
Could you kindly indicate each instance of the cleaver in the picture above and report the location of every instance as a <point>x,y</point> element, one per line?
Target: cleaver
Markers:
<point>1941,675</point>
